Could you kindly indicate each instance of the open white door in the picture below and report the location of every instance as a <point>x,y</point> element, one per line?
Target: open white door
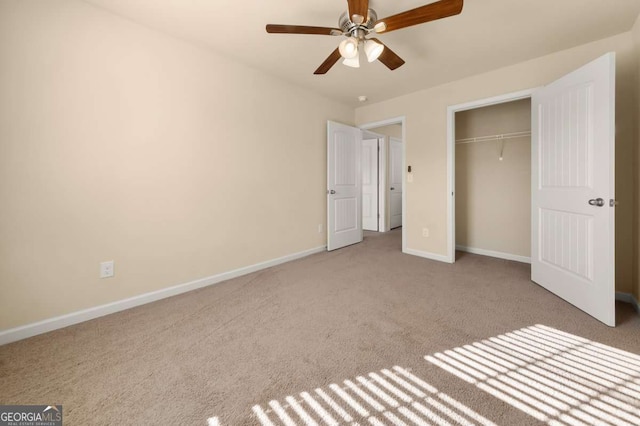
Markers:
<point>572,253</point>
<point>370,184</point>
<point>395,182</point>
<point>344,185</point>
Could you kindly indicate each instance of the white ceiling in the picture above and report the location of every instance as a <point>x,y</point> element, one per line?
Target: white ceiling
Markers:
<point>488,34</point>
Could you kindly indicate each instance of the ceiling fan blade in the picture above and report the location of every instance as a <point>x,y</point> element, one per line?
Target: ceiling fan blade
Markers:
<point>302,29</point>
<point>419,15</point>
<point>329,62</point>
<point>389,57</point>
<point>360,8</point>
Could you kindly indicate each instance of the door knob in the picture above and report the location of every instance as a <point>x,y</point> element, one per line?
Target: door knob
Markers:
<point>599,202</point>
<point>392,188</point>
<point>332,192</point>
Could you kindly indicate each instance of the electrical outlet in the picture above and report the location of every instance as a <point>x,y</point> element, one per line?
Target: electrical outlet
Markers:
<point>320,228</point>
<point>425,232</point>
<point>106,269</point>
<point>410,177</point>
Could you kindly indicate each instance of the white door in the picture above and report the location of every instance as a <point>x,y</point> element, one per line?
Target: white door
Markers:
<point>370,184</point>
<point>344,185</point>
<point>395,182</point>
<point>572,253</point>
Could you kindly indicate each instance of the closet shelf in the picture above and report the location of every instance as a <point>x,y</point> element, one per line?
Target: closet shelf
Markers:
<point>503,136</point>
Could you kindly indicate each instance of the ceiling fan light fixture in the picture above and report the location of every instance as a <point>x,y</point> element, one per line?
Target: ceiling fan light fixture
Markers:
<point>359,21</point>
<point>352,62</point>
<point>373,49</point>
<point>348,48</point>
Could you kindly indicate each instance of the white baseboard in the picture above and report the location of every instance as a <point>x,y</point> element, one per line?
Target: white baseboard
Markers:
<point>498,254</point>
<point>29,330</point>
<point>628,298</point>
<point>427,255</point>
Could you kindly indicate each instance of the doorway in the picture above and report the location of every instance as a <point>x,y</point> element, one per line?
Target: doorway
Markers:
<point>388,174</point>
<point>493,180</point>
<point>452,137</point>
<point>391,163</point>
<point>345,149</point>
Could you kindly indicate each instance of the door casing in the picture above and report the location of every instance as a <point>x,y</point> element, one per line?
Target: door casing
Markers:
<point>393,192</point>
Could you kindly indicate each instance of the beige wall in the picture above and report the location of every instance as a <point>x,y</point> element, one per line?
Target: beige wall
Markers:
<point>493,197</point>
<point>120,143</point>
<point>636,156</point>
<point>426,134</point>
<point>393,130</point>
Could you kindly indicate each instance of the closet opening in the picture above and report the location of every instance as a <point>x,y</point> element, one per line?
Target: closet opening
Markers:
<point>492,181</point>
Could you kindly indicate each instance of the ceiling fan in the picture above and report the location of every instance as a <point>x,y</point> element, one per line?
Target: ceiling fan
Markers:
<point>359,22</point>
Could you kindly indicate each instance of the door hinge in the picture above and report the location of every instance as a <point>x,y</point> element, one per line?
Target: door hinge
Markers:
<point>613,203</point>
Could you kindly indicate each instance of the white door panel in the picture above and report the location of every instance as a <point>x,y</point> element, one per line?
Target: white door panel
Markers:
<point>572,163</point>
<point>395,182</point>
<point>370,184</point>
<point>344,185</point>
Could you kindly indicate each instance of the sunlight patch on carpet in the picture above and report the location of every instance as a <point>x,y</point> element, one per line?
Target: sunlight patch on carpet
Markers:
<point>556,377</point>
<point>389,397</point>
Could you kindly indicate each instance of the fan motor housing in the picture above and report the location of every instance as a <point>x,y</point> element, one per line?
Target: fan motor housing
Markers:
<point>348,26</point>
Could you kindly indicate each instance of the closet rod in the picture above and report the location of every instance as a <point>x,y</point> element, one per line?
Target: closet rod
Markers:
<point>494,137</point>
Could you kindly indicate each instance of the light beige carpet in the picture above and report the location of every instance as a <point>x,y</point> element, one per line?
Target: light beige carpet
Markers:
<point>273,342</point>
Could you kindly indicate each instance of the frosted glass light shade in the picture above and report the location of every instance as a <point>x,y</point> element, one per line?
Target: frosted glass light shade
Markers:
<point>352,62</point>
<point>348,48</point>
<point>373,50</point>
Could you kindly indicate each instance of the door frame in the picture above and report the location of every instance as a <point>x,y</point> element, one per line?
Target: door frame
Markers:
<point>402,121</point>
<point>451,156</point>
<point>393,139</point>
